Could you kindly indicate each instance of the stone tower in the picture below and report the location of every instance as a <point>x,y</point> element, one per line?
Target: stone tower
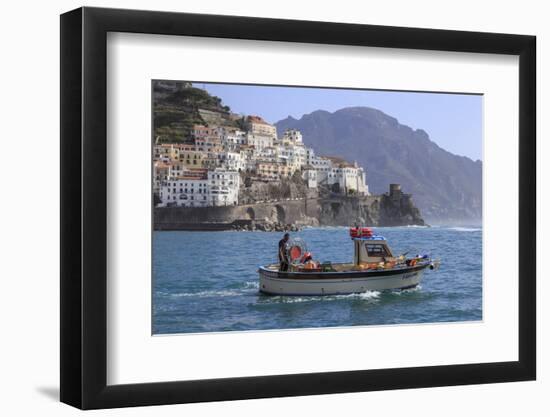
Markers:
<point>395,192</point>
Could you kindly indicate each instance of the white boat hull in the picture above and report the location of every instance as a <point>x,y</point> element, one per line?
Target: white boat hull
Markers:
<point>277,283</point>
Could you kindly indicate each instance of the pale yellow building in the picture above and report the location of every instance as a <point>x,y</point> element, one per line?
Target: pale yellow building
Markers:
<point>273,170</point>
<point>166,152</point>
<point>192,158</point>
<point>259,127</point>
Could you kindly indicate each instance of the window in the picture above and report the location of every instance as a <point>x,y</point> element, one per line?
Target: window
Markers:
<point>376,250</point>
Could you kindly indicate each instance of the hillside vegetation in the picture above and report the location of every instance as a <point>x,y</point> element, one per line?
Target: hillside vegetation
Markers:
<point>177,109</point>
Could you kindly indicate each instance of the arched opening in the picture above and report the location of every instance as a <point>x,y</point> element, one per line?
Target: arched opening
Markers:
<point>280,213</point>
<point>250,214</point>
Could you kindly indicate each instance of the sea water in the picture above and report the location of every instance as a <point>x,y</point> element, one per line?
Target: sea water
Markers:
<point>208,281</point>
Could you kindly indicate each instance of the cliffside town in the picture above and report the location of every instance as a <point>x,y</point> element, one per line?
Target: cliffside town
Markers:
<point>222,163</point>
<point>207,160</point>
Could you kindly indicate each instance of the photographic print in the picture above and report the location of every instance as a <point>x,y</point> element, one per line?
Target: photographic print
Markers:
<point>283,207</point>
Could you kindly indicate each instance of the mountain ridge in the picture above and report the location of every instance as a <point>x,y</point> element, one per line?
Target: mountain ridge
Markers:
<point>445,186</point>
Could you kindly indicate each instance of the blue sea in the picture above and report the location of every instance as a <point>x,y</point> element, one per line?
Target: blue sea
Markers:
<point>208,281</point>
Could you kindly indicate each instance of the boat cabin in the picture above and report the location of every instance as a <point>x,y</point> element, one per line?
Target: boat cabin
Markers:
<point>368,247</point>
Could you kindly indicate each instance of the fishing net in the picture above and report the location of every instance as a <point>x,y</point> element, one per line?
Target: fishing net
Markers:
<point>295,249</point>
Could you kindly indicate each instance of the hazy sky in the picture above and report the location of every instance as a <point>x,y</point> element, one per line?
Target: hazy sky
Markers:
<point>453,121</point>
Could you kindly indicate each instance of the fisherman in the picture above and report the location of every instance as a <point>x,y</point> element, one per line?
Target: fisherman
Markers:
<point>283,257</point>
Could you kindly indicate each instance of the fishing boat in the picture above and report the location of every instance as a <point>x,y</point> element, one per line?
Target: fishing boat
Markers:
<point>374,268</point>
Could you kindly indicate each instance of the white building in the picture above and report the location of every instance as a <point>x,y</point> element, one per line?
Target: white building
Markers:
<point>232,140</point>
<point>259,141</point>
<point>352,179</point>
<point>185,192</point>
<point>330,171</point>
<point>219,188</point>
<point>294,155</point>
<point>208,144</point>
<point>270,154</point>
<point>292,136</point>
<point>310,177</point>
<point>324,167</point>
<point>232,161</point>
<point>223,187</point>
<point>310,156</point>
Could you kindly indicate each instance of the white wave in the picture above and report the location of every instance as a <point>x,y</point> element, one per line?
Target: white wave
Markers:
<point>212,293</point>
<point>368,295</point>
<point>465,229</point>
<point>251,285</point>
<point>248,285</point>
<point>291,300</point>
<point>407,290</point>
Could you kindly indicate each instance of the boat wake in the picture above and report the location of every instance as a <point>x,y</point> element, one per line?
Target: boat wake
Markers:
<point>367,296</point>
<point>251,288</point>
<point>370,296</point>
<point>246,288</point>
<point>203,294</point>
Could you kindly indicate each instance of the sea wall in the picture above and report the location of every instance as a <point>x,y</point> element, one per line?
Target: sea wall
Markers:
<point>380,210</point>
<point>300,212</point>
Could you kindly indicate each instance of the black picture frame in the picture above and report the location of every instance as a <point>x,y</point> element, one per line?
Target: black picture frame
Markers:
<point>84,207</point>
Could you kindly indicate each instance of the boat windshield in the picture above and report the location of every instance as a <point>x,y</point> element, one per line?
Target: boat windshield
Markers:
<point>377,250</point>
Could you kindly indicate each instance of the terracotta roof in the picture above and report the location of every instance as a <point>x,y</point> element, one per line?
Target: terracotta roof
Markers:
<point>341,162</point>
<point>335,159</point>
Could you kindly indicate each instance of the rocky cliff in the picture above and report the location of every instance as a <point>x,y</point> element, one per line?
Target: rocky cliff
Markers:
<point>390,209</point>
<point>379,210</point>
